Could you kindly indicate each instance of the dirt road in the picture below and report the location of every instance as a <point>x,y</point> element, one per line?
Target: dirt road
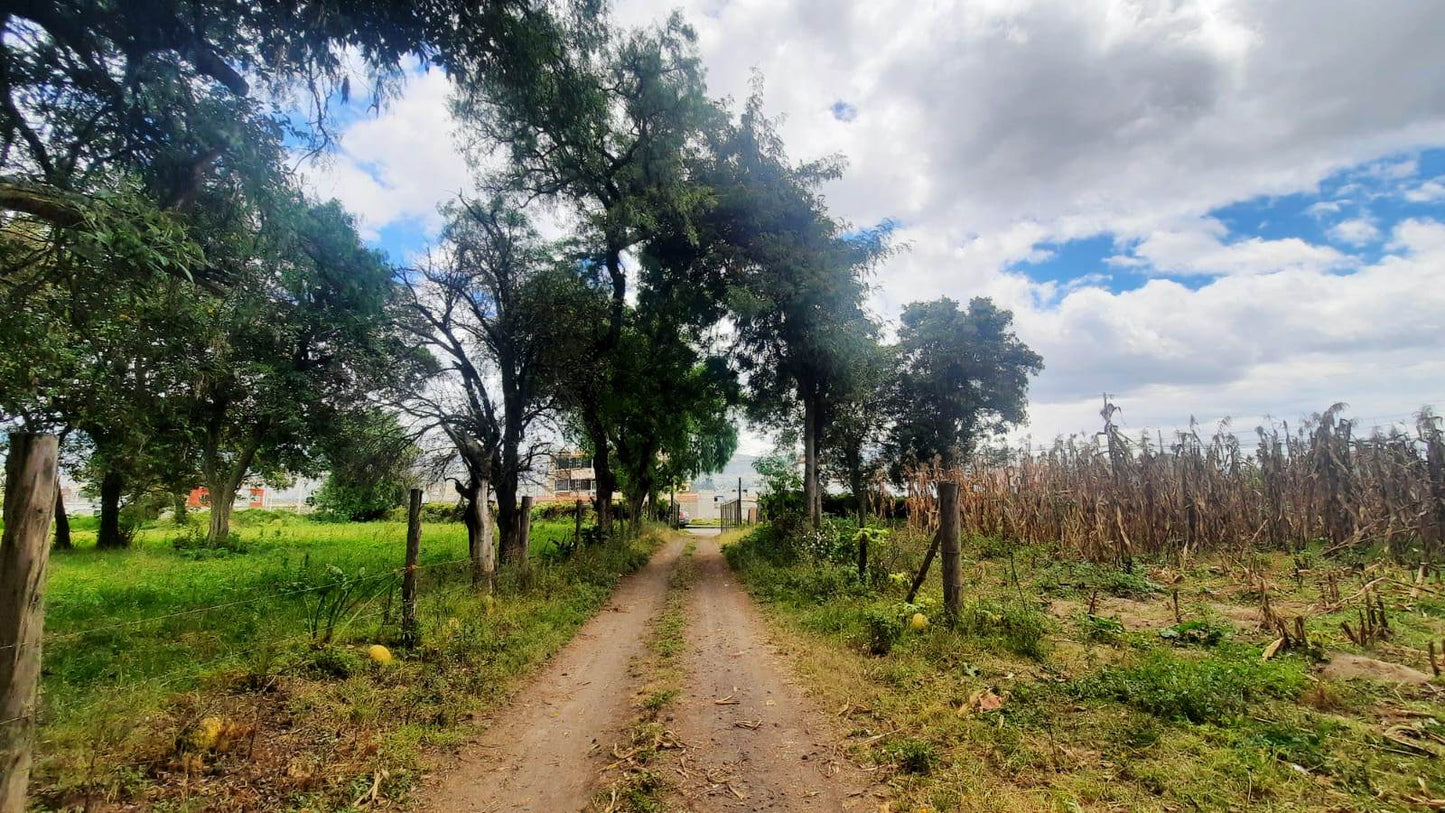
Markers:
<point>753,740</point>
<point>538,753</point>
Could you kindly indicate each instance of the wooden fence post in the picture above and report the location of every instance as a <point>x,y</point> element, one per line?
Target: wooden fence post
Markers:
<point>409,636</point>
<point>30,482</point>
<point>948,538</point>
<point>524,533</point>
<point>578,532</point>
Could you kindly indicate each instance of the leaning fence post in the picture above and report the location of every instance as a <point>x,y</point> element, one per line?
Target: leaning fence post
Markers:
<point>409,637</point>
<point>30,482</point>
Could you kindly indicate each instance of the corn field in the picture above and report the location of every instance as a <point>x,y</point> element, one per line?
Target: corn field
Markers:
<point>1111,497</point>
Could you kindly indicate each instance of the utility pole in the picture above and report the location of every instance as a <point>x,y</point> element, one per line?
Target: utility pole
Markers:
<point>740,500</point>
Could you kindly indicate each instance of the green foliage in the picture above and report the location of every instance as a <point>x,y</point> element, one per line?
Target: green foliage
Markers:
<point>1100,629</point>
<point>1196,633</point>
<point>335,597</point>
<point>882,628</point>
<point>195,544</point>
<point>960,373</point>
<point>1009,626</point>
<point>369,460</point>
<point>1213,689</point>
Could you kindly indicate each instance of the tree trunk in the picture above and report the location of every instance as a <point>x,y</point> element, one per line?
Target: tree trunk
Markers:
<point>508,520</point>
<point>811,502</point>
<point>223,494</point>
<point>109,537</point>
<point>30,484</point>
<point>606,483</point>
<point>948,537</point>
<point>62,522</point>
<point>223,501</point>
<point>479,538</point>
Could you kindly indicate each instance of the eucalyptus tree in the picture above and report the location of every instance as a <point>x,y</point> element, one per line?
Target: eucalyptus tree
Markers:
<point>795,276</point>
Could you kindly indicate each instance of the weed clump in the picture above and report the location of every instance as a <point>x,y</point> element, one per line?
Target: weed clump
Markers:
<point>1009,626</point>
<point>1214,689</point>
<point>913,755</point>
<point>881,630</point>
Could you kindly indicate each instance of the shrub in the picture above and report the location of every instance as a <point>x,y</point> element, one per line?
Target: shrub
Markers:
<point>559,510</point>
<point>1199,633</point>
<point>881,630</point>
<point>194,545</point>
<point>1102,630</point>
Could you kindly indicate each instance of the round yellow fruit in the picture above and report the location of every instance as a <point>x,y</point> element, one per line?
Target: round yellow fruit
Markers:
<point>918,623</point>
<point>379,653</point>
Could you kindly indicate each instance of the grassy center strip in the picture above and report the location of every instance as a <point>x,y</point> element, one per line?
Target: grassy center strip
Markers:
<point>632,780</point>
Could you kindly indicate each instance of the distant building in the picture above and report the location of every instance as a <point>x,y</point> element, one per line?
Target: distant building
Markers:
<point>571,477</point>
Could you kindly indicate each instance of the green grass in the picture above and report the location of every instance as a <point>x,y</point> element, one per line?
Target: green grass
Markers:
<point>143,642</point>
<point>1128,708</point>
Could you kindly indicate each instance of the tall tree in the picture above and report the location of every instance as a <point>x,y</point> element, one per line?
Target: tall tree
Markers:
<point>857,417</point>
<point>671,420</point>
<point>796,276</point>
<point>307,337</point>
<point>607,123</point>
<point>961,373</point>
<point>96,94</point>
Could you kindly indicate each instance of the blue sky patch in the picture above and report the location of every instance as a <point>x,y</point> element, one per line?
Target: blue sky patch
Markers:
<point>1353,211</point>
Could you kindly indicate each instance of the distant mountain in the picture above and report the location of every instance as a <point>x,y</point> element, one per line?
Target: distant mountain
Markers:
<point>727,480</point>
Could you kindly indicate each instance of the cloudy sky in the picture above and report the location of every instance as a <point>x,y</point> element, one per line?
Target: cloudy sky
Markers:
<point>1206,209</point>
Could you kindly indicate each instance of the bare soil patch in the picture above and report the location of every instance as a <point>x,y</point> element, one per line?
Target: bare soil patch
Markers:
<point>1344,666</point>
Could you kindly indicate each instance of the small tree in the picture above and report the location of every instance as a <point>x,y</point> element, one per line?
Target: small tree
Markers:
<point>960,373</point>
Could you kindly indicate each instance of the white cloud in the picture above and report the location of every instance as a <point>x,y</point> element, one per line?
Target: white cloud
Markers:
<point>1200,248</point>
<point>1427,192</point>
<point>1357,231</point>
<point>397,166</point>
<point>993,129</point>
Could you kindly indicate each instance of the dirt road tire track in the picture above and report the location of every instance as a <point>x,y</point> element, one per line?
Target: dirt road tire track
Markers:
<point>765,746</point>
<point>537,753</point>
